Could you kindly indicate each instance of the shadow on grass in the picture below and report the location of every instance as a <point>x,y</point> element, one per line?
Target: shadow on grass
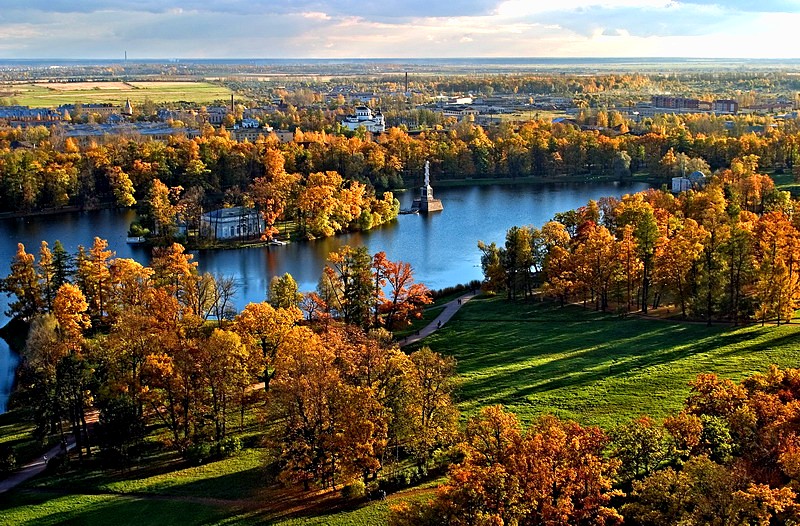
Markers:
<point>44,510</point>
<point>230,486</point>
<point>508,351</point>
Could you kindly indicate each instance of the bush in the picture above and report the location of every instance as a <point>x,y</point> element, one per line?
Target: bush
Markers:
<point>474,285</point>
<point>355,490</point>
<point>198,454</point>
<point>228,446</point>
<point>8,459</point>
<point>203,452</point>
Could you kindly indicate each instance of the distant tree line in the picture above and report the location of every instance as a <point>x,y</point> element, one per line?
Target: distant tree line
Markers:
<point>40,170</point>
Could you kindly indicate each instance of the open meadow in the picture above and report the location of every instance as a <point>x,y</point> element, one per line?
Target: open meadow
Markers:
<point>593,367</point>
<point>48,94</point>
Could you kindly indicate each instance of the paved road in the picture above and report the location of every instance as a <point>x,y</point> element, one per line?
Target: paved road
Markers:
<point>450,308</point>
<point>35,467</point>
<point>31,469</point>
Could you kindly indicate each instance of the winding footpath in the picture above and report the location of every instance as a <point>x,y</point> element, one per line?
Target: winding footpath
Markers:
<point>450,308</point>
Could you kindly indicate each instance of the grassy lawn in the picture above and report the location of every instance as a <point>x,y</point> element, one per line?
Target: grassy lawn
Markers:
<point>595,368</point>
<point>48,95</point>
<point>28,508</point>
<point>787,183</point>
<point>238,477</point>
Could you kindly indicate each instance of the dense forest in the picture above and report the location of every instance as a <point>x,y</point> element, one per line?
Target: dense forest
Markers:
<point>39,170</point>
<point>727,251</point>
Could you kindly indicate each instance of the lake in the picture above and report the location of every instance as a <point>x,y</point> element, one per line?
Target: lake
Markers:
<point>441,247</point>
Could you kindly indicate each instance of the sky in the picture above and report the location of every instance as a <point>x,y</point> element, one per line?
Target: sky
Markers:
<point>173,29</point>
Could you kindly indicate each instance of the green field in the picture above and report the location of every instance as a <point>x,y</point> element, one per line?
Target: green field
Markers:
<point>54,94</point>
<point>596,368</point>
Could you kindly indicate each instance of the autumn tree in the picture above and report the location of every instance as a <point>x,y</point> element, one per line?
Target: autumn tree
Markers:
<point>224,360</point>
<point>327,429</point>
<point>94,275</point>
<point>675,259</point>
<point>37,382</point>
<point>69,309</point>
<point>704,492</point>
<point>46,270</point>
<point>403,298</point>
<point>174,270</point>
<point>161,209</point>
<point>430,384</point>
<point>266,329</point>
<point>640,216</point>
<point>555,472</point>
<point>596,263</point>
<point>23,283</point>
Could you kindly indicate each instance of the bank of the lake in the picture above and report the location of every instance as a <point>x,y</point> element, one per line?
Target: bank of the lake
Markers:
<point>441,247</point>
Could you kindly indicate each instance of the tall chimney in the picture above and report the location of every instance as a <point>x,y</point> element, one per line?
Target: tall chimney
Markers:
<point>406,82</point>
<point>233,110</point>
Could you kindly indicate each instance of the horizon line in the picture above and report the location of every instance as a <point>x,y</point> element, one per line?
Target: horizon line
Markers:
<point>531,58</point>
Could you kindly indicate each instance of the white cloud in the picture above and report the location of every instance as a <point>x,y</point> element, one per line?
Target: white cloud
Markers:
<point>395,28</point>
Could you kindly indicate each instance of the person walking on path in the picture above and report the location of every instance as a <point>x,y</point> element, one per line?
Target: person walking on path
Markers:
<point>450,308</point>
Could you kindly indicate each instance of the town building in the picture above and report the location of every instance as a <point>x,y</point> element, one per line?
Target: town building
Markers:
<point>726,106</point>
<point>694,180</point>
<point>231,223</point>
<point>25,114</point>
<point>87,133</point>
<point>373,122</point>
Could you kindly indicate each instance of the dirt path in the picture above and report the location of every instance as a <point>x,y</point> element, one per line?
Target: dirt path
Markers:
<point>450,308</point>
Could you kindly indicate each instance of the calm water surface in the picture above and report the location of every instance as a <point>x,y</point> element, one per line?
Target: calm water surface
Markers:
<point>441,247</point>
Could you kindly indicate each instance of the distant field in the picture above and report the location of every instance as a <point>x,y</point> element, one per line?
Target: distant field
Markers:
<point>46,94</point>
<point>538,358</point>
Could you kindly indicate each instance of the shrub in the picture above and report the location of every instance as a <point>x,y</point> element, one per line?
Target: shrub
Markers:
<point>203,452</point>
<point>228,446</point>
<point>8,459</point>
<point>355,490</point>
<point>198,453</point>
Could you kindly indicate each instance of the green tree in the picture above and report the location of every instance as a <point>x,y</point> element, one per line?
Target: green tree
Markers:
<point>284,292</point>
<point>346,285</point>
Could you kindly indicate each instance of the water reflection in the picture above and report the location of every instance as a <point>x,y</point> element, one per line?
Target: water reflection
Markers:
<point>441,247</point>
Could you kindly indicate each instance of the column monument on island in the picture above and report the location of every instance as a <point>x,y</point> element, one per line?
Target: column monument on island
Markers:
<point>426,202</point>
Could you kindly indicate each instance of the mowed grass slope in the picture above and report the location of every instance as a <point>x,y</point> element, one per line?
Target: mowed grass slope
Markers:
<point>54,94</point>
<point>596,368</point>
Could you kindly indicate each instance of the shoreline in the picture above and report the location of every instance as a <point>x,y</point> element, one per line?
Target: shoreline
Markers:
<point>442,183</point>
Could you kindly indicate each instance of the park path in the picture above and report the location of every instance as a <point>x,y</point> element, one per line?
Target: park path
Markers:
<point>37,466</point>
<point>450,308</point>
